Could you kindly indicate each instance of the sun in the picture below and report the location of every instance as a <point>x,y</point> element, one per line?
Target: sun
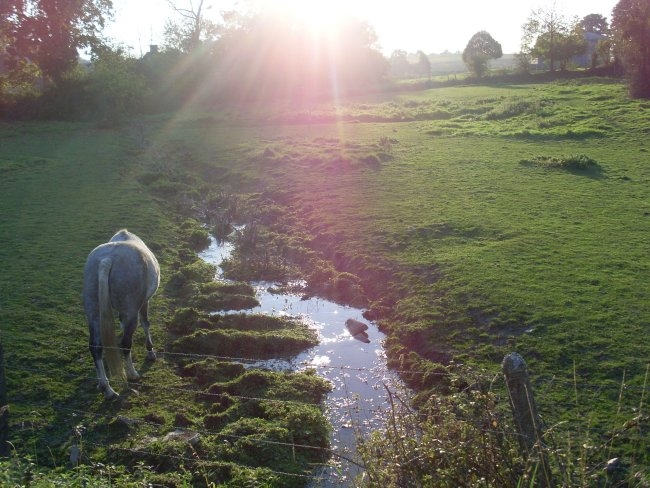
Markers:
<point>321,17</point>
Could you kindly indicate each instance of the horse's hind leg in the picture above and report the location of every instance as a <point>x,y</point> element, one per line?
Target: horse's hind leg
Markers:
<point>96,353</point>
<point>129,325</point>
<point>144,321</point>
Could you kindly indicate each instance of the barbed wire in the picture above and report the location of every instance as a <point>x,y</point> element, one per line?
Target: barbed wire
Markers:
<point>574,424</point>
<point>208,432</point>
<point>193,460</point>
<point>293,446</point>
<point>393,375</point>
<point>270,362</point>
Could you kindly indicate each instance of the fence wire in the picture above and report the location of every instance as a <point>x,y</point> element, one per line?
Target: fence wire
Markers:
<point>352,410</point>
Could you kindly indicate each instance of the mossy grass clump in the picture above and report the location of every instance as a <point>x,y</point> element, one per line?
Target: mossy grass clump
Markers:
<point>187,320</point>
<point>247,344</point>
<point>576,162</point>
<point>254,336</point>
<point>513,108</point>
<point>218,295</point>
<point>338,286</point>
<point>196,236</point>
<point>187,276</point>
<point>212,370</point>
<point>280,410</point>
<point>304,387</point>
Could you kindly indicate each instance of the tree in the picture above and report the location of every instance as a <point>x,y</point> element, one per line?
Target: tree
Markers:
<point>18,77</point>
<point>595,31</point>
<point>399,64</point>
<point>542,32</point>
<point>479,50</point>
<point>192,30</point>
<point>631,34</point>
<point>560,47</point>
<point>49,33</point>
<point>595,23</point>
<point>269,55</point>
<point>116,87</point>
<point>424,65</point>
<point>602,53</point>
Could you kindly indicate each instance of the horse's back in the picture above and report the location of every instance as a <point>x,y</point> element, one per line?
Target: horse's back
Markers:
<point>153,268</point>
<point>134,271</point>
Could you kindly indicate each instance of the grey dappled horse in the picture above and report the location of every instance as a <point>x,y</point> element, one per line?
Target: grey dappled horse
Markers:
<point>121,274</point>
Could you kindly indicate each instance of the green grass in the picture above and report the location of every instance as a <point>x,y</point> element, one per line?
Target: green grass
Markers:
<point>517,243</point>
<point>465,250</point>
<point>65,189</point>
<point>491,248</point>
<point>473,221</point>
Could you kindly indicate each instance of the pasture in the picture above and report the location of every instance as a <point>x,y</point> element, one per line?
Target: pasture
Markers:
<point>472,221</point>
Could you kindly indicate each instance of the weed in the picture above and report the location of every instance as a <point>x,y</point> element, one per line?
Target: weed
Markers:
<point>386,143</point>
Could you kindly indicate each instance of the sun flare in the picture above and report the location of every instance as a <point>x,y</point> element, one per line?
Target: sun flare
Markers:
<point>321,17</point>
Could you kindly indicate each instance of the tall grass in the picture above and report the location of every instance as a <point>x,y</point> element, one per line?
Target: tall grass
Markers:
<point>468,439</point>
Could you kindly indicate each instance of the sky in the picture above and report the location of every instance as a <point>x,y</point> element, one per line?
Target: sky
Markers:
<point>433,26</point>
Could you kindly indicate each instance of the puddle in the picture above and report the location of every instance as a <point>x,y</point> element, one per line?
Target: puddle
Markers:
<point>356,367</point>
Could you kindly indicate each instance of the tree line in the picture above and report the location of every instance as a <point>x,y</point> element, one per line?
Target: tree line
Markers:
<point>259,56</point>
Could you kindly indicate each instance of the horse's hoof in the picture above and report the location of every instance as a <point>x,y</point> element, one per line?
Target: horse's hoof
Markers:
<point>133,377</point>
<point>110,394</point>
<point>151,355</point>
<point>105,388</point>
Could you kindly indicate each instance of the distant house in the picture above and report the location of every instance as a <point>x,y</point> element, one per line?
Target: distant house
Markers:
<point>584,60</point>
<point>592,39</point>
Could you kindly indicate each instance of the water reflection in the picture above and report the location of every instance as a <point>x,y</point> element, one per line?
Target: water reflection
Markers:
<point>356,367</point>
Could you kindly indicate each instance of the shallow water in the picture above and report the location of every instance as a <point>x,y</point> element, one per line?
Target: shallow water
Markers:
<point>357,370</point>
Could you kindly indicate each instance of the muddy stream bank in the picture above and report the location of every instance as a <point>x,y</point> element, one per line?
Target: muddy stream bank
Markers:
<point>355,365</point>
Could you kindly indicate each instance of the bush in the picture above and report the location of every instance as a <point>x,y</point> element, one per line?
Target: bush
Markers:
<point>109,90</point>
<point>116,89</point>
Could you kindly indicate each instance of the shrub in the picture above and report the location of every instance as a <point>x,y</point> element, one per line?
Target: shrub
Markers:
<point>116,89</point>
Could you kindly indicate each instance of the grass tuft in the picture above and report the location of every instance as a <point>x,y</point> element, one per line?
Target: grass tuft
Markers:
<point>578,162</point>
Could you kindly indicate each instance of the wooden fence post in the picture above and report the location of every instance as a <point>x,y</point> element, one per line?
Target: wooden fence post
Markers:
<point>4,408</point>
<point>524,411</point>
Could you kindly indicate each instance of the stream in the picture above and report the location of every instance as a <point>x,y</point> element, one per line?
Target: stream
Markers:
<point>356,367</point>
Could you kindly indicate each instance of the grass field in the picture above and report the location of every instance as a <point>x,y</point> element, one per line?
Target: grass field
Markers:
<point>496,242</point>
<point>65,189</point>
<point>477,221</point>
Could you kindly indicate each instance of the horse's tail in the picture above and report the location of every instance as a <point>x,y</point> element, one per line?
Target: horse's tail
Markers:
<point>106,323</point>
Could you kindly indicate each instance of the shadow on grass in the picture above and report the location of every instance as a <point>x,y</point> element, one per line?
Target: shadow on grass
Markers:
<point>594,172</point>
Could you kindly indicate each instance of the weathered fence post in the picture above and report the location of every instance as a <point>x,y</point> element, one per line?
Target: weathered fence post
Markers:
<point>524,411</point>
<point>4,408</point>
